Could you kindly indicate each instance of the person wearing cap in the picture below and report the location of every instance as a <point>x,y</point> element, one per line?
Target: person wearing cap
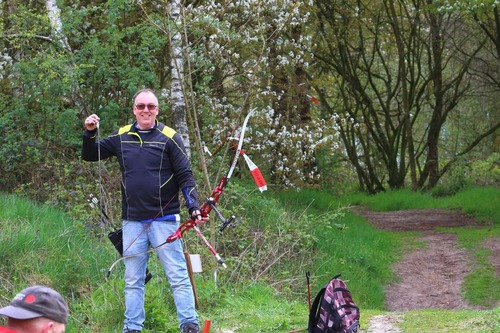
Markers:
<point>36,309</point>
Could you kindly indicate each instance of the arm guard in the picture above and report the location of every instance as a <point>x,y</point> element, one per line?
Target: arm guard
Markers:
<point>191,196</point>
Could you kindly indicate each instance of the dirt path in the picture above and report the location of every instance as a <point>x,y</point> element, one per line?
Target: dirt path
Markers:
<point>429,276</point>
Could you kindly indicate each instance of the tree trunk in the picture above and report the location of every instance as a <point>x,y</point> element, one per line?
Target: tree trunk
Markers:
<point>431,168</point>
<point>54,15</point>
<point>55,20</point>
<point>178,103</point>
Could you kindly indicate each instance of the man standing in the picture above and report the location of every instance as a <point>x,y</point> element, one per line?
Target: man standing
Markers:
<point>154,168</point>
<point>36,309</point>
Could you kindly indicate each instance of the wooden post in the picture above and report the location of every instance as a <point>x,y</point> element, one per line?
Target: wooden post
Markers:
<point>191,278</point>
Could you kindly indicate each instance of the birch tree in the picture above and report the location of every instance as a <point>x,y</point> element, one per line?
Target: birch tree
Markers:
<point>55,19</point>
<point>178,103</point>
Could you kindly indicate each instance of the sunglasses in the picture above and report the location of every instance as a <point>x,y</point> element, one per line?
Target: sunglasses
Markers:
<point>142,106</point>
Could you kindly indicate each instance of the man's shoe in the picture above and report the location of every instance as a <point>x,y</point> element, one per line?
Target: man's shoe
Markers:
<point>190,328</point>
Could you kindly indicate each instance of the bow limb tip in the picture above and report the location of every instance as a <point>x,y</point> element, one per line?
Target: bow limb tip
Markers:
<point>220,261</point>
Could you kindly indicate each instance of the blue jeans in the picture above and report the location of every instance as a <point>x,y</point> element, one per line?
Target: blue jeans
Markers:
<point>138,237</point>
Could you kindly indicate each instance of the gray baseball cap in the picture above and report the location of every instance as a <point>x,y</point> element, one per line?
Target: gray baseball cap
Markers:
<point>37,301</point>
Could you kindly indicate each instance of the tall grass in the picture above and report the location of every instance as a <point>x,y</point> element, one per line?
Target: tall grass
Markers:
<point>392,200</point>
<point>307,230</point>
<point>480,203</point>
<point>42,245</point>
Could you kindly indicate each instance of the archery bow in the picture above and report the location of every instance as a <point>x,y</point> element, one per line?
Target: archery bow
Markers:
<point>205,210</point>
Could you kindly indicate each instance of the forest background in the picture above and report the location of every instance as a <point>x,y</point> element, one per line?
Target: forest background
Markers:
<point>347,95</point>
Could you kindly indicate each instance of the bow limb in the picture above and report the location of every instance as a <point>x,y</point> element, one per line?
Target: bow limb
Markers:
<point>219,188</point>
<point>240,144</point>
<point>217,256</point>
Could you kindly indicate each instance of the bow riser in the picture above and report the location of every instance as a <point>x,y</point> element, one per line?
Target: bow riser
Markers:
<point>214,197</point>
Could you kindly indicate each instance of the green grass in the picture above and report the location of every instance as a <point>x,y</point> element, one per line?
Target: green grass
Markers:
<point>39,244</point>
<point>392,200</point>
<point>482,285</point>
<point>42,244</point>
<point>479,203</point>
<point>431,321</point>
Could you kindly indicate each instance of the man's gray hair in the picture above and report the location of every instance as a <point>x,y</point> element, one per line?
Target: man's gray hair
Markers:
<point>149,90</point>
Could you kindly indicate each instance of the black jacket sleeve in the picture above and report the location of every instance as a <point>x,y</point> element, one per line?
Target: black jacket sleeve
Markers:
<point>90,147</point>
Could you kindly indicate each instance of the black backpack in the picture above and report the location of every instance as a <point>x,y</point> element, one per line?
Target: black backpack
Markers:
<point>333,310</point>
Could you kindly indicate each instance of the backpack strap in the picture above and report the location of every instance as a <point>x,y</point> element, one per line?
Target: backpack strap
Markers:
<point>348,306</point>
<point>314,313</point>
<point>353,328</point>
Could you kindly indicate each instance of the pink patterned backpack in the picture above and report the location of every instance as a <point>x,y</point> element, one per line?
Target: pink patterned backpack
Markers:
<point>333,310</point>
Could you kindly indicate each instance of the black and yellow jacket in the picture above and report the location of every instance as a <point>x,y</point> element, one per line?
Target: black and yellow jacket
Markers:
<point>154,168</point>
